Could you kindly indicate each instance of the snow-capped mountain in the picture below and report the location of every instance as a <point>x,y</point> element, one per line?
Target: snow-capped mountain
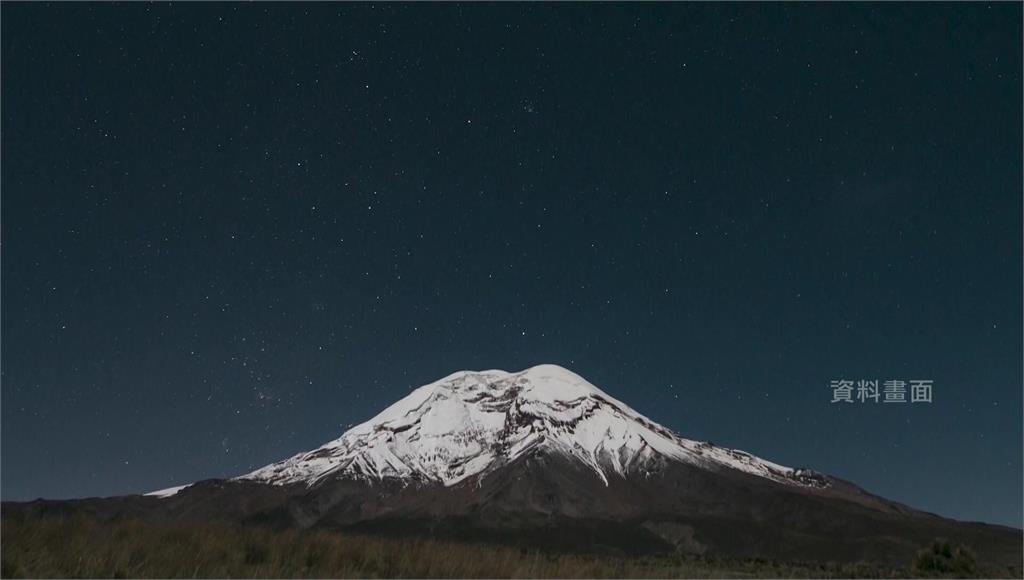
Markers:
<point>542,457</point>
<point>472,422</point>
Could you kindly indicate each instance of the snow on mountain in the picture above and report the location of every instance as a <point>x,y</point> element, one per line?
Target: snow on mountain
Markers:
<point>472,422</point>
<point>161,493</point>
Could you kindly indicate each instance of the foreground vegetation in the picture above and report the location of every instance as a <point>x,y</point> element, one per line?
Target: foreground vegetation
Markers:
<point>78,546</point>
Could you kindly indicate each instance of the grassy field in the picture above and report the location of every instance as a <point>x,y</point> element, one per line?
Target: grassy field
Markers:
<point>77,546</point>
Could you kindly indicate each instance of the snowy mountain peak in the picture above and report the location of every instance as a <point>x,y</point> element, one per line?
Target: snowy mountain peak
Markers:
<point>472,422</point>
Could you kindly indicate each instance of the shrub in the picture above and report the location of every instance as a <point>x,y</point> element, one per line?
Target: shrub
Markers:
<point>941,558</point>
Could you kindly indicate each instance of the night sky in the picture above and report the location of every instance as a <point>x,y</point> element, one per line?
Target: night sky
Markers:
<point>231,231</point>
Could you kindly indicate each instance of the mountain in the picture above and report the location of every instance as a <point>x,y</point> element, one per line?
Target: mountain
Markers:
<point>470,424</point>
<point>543,457</point>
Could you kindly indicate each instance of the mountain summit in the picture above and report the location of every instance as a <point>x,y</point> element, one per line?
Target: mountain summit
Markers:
<point>473,422</point>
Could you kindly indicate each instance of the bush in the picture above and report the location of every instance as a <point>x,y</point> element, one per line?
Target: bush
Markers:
<point>941,558</point>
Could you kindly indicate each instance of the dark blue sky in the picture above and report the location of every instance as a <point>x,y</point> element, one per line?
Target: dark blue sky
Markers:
<point>229,231</point>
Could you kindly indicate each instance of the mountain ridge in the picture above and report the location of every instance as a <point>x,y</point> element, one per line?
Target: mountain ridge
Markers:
<point>471,422</point>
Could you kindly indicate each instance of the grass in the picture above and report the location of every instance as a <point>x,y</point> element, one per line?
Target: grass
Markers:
<point>79,546</point>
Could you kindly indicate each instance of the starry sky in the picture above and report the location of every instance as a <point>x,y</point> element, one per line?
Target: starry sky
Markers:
<point>231,231</point>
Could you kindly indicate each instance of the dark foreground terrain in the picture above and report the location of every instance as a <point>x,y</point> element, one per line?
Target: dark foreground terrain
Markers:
<point>83,545</point>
